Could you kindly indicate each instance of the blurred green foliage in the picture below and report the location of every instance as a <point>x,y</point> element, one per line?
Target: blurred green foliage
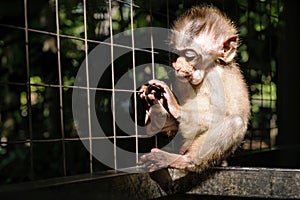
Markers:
<point>33,112</point>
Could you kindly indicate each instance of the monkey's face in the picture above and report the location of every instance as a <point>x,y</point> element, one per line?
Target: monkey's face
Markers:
<point>193,59</point>
<point>186,71</point>
<point>198,53</point>
<point>203,38</point>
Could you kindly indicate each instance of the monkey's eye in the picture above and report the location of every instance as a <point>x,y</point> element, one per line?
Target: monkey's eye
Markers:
<point>189,55</point>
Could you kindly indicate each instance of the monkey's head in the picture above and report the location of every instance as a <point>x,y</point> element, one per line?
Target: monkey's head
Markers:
<point>202,37</point>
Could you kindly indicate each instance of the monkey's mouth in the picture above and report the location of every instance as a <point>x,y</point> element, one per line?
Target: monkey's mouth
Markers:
<point>184,77</point>
<point>194,78</point>
<point>187,72</point>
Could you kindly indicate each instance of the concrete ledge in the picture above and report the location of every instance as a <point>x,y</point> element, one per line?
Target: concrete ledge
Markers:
<point>228,182</point>
<point>252,182</point>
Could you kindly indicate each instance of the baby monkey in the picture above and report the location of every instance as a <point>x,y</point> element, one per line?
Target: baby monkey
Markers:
<point>214,120</point>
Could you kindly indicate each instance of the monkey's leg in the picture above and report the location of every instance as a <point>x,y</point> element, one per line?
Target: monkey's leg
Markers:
<point>217,143</point>
<point>204,151</point>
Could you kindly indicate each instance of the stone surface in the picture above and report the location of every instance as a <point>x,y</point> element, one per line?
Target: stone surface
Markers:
<point>225,182</point>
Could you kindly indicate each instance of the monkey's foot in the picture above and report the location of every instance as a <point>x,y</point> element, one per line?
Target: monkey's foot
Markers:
<point>155,160</point>
<point>158,159</point>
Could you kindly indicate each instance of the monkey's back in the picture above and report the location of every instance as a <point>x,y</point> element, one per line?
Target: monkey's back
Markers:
<point>237,97</point>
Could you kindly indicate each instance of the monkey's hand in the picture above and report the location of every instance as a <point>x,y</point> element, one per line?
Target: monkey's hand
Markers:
<point>173,106</point>
<point>157,118</point>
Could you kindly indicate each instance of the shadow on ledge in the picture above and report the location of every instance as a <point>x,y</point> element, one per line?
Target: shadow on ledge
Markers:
<point>229,182</point>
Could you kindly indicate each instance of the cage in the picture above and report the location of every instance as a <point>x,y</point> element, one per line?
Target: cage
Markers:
<point>52,76</point>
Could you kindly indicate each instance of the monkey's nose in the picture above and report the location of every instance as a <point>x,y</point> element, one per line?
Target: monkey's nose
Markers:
<point>181,59</point>
<point>183,67</point>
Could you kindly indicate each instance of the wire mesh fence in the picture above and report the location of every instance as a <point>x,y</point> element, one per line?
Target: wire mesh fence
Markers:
<point>44,43</point>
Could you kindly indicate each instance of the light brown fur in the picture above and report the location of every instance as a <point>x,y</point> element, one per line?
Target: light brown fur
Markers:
<point>214,120</point>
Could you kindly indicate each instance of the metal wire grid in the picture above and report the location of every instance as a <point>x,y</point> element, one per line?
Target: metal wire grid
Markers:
<point>60,86</point>
<point>64,138</point>
<point>263,127</point>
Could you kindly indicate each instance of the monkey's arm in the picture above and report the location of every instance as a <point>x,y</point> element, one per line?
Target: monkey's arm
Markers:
<point>159,120</point>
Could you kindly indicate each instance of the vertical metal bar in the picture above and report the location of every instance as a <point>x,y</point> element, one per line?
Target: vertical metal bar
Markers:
<point>113,98</point>
<point>169,55</point>
<point>152,47</point>
<point>28,90</point>
<point>60,89</point>
<point>262,99</point>
<point>134,82</point>
<point>270,74</point>
<point>152,63</point>
<point>88,86</point>
<point>251,135</point>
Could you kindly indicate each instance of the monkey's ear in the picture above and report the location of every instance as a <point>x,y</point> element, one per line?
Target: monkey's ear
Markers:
<point>229,49</point>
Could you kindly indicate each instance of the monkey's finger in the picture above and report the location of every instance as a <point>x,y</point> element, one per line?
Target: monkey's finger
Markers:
<point>144,161</point>
<point>155,150</point>
<point>141,94</point>
<point>146,165</point>
<point>142,91</point>
<point>151,96</point>
<point>150,166</point>
<point>149,158</point>
<point>157,166</point>
<point>159,83</point>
